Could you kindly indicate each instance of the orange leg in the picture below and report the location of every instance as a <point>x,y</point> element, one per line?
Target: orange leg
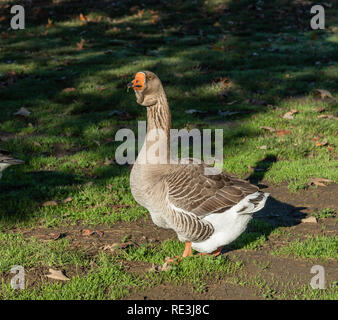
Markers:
<point>187,253</point>
<point>216,253</point>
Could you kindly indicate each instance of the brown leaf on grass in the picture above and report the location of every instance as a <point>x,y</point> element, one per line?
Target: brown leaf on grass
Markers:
<point>68,90</point>
<point>324,93</point>
<point>321,144</point>
<point>268,128</point>
<point>22,112</point>
<point>37,144</point>
<point>116,246</point>
<point>108,162</point>
<point>283,132</point>
<point>154,18</point>
<point>327,116</point>
<point>140,13</point>
<point>319,182</point>
<point>178,75</point>
<point>321,109</point>
<point>69,199</point>
<point>50,23</point>
<point>49,203</point>
<point>157,268</point>
<point>232,102</point>
<point>80,44</point>
<point>289,115</point>
<point>57,236</point>
<point>217,48</point>
<point>222,81</point>
<point>57,275</point>
<point>82,17</point>
<point>309,220</point>
<point>87,232</point>
<point>329,148</point>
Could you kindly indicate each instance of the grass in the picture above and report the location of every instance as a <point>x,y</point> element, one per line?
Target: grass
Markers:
<point>307,293</point>
<point>193,270</point>
<point>71,74</point>
<point>325,213</point>
<point>69,135</point>
<point>106,281</point>
<point>17,250</point>
<point>319,247</point>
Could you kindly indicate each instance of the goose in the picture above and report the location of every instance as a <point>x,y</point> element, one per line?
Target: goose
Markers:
<point>7,160</point>
<point>206,211</point>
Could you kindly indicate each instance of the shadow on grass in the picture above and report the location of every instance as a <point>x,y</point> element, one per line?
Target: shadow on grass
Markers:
<point>267,222</point>
<point>260,169</point>
<point>255,46</point>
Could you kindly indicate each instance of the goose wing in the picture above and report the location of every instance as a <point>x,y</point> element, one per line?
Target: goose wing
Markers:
<point>191,190</point>
<point>192,195</point>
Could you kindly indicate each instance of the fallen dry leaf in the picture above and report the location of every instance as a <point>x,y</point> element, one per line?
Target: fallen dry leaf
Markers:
<point>178,74</point>
<point>324,93</point>
<point>57,275</point>
<point>321,144</point>
<point>289,115</point>
<point>140,13</point>
<point>68,89</point>
<point>319,182</point>
<point>37,144</point>
<point>165,267</point>
<point>327,116</point>
<point>87,232</point>
<point>232,102</point>
<point>69,199</point>
<point>49,203</point>
<point>108,162</point>
<point>268,128</point>
<point>82,17</point>
<point>80,44</point>
<point>309,220</point>
<point>50,23</point>
<point>117,246</point>
<point>23,112</point>
<point>282,132</point>
<point>57,236</point>
<point>154,19</point>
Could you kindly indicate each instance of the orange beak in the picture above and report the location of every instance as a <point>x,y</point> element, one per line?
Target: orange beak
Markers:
<point>139,81</point>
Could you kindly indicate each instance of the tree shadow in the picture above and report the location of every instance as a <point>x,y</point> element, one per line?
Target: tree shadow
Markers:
<point>260,169</point>
<point>170,44</point>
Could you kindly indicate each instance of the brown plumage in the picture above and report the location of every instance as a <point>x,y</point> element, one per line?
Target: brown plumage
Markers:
<point>207,210</point>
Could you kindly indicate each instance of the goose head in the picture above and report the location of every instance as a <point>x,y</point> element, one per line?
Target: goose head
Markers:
<point>147,87</point>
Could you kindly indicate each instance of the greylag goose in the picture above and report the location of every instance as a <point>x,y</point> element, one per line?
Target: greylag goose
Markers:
<point>206,211</point>
<point>7,160</point>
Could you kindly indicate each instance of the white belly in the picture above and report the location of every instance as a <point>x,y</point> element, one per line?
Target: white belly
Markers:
<point>228,227</point>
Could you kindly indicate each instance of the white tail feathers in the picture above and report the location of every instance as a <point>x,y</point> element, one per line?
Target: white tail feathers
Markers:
<point>252,203</point>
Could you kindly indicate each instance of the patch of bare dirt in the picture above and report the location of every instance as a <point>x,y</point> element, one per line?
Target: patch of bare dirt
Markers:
<point>219,291</point>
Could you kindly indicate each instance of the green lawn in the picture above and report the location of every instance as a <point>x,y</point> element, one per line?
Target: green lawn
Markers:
<point>70,68</point>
